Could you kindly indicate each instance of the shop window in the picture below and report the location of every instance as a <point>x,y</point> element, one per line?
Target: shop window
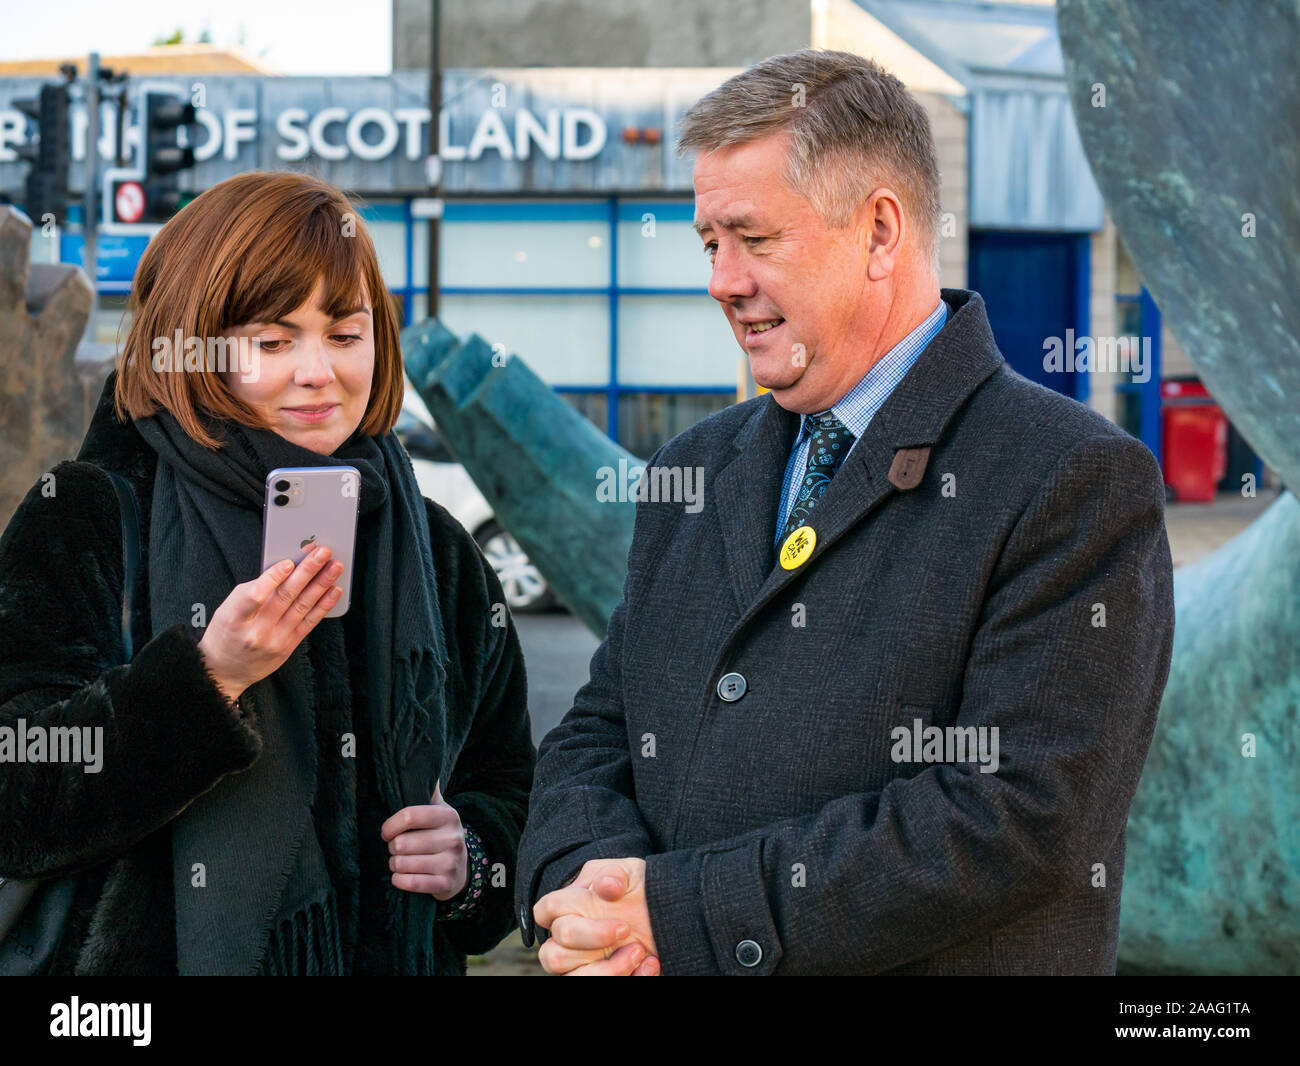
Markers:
<point>516,253</point>
<point>658,247</point>
<point>389,238</point>
<point>675,340</point>
<point>564,339</point>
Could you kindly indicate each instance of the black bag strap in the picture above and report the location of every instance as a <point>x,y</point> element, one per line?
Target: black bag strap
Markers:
<point>130,556</point>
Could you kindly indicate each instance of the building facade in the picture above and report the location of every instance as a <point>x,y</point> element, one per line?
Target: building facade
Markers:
<point>566,234</point>
<point>566,230</point>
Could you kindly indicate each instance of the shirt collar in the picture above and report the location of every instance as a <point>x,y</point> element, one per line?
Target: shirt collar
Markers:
<point>858,406</point>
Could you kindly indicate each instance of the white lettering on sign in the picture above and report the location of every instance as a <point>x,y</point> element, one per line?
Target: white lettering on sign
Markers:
<point>241,126</point>
<point>79,127</point>
<point>574,133</point>
<point>316,131</point>
<point>446,150</point>
<point>574,119</point>
<point>376,116</point>
<point>491,133</point>
<point>413,118</point>
<point>212,140</point>
<point>547,138</point>
<point>289,127</point>
<point>370,133</point>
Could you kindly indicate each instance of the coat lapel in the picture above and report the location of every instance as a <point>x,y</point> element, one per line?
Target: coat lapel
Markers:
<point>747,493</point>
<point>959,359</point>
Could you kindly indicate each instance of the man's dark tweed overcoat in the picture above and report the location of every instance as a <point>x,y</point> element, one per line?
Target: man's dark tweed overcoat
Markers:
<point>169,734</point>
<point>1025,583</point>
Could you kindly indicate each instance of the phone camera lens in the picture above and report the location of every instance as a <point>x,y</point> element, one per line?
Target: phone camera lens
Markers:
<point>281,500</point>
<point>282,486</point>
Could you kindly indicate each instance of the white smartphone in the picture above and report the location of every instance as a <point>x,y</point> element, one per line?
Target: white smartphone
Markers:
<point>309,506</point>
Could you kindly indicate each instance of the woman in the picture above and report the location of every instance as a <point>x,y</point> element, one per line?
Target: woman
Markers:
<point>278,792</point>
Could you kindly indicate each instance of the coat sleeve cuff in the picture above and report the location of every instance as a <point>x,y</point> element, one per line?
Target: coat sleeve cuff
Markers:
<point>554,874</point>
<point>171,666</point>
<point>477,875</point>
<point>172,711</point>
<point>709,912</point>
<point>550,859</point>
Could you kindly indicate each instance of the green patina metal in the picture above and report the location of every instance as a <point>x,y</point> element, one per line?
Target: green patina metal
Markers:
<point>535,458</point>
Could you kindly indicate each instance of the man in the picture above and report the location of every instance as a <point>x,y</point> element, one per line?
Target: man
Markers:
<point>880,706</point>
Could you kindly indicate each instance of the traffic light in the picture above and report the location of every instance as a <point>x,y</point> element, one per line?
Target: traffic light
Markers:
<point>163,112</point>
<point>47,180</point>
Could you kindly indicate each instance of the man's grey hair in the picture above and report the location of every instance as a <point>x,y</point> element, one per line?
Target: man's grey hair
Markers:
<point>854,127</point>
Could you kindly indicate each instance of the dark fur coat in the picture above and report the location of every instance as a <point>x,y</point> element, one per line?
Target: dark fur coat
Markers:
<point>169,735</point>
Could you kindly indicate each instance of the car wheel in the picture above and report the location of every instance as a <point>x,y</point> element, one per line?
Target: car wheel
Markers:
<point>525,588</point>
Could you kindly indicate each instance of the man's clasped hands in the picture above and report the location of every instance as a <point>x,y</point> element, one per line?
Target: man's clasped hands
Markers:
<point>599,923</point>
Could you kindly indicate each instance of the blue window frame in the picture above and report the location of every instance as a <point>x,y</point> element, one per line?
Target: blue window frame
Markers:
<point>610,211</point>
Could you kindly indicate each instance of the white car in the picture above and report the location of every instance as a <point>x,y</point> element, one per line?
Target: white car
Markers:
<point>445,481</point>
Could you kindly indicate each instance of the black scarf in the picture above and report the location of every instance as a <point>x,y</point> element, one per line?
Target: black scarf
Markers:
<point>205,537</point>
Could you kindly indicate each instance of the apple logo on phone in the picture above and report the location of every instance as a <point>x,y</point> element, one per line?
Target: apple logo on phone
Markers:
<point>309,540</point>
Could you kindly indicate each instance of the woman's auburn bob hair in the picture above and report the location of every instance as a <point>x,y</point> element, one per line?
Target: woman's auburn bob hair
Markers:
<point>251,249</point>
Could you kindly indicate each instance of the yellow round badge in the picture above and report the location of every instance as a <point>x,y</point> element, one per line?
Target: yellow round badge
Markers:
<point>798,547</point>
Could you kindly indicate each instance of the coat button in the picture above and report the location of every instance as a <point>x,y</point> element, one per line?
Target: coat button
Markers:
<point>731,687</point>
<point>748,953</point>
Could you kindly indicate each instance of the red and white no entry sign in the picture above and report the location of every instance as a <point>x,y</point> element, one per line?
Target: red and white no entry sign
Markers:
<point>129,202</point>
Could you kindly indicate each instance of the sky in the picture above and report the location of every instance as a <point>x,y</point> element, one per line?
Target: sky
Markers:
<point>318,37</point>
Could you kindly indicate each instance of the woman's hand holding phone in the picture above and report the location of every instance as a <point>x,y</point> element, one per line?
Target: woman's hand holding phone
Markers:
<point>259,624</point>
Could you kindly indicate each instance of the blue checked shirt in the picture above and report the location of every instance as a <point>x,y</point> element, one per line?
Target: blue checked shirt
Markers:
<point>858,406</point>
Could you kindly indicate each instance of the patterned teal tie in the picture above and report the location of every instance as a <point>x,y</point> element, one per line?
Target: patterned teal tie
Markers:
<point>828,444</point>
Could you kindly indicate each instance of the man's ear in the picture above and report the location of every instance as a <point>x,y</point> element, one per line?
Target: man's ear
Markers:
<point>881,227</point>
